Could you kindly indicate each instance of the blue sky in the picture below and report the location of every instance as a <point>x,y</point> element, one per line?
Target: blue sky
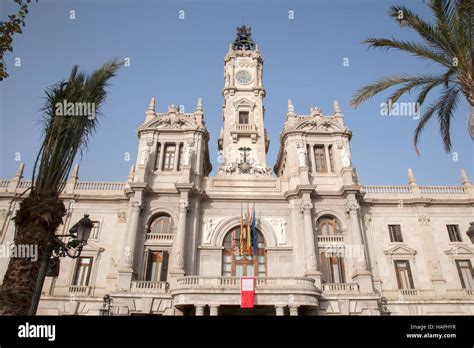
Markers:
<point>178,60</point>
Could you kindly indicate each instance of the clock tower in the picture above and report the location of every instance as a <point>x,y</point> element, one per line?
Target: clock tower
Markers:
<point>243,140</point>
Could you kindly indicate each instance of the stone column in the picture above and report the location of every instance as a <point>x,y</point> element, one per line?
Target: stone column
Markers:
<point>361,275</point>
<point>279,311</point>
<point>213,311</point>
<point>176,156</point>
<point>179,242</point>
<point>310,247</point>
<point>328,161</point>
<point>128,252</point>
<point>199,311</point>
<point>293,311</point>
<point>431,258</point>
<point>162,156</point>
<point>312,159</point>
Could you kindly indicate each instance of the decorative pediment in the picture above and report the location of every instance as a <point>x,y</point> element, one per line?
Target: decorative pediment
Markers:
<point>400,251</point>
<point>460,250</point>
<point>244,102</point>
<point>318,124</point>
<point>172,121</point>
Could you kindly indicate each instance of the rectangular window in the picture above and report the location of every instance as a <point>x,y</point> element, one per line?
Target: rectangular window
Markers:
<point>95,230</point>
<point>395,233</point>
<point>465,273</point>
<point>308,160</point>
<point>332,268</point>
<point>403,272</point>
<point>227,266</point>
<point>180,159</point>
<point>156,267</point>
<point>261,265</point>
<point>243,117</point>
<point>83,271</point>
<point>157,158</point>
<point>170,152</point>
<point>331,160</point>
<point>453,231</point>
<point>320,156</point>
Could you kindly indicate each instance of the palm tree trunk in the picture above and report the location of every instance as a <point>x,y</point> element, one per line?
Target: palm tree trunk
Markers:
<point>36,222</point>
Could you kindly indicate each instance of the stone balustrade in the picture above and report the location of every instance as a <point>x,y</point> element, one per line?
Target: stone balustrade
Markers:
<point>80,290</point>
<point>406,190</point>
<point>152,238</point>
<point>330,239</point>
<point>234,282</point>
<point>99,186</point>
<point>338,288</point>
<point>245,127</point>
<point>148,286</point>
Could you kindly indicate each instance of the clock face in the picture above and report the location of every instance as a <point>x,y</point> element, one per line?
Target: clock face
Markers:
<point>243,76</point>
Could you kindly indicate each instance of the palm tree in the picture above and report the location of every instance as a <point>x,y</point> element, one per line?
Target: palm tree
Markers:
<point>41,211</point>
<point>448,42</point>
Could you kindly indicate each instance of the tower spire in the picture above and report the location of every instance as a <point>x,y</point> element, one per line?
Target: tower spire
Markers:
<point>244,41</point>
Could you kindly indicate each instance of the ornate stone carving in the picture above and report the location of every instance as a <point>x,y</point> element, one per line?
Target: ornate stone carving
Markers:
<point>367,220</point>
<point>306,206</point>
<point>145,154</point>
<point>300,149</point>
<point>183,206</point>
<point>345,156</point>
<point>351,207</point>
<point>128,255</point>
<point>187,155</point>
<point>135,203</point>
<point>279,226</point>
<point>423,220</point>
<point>228,168</point>
<point>209,227</point>
<point>121,216</point>
<point>179,259</point>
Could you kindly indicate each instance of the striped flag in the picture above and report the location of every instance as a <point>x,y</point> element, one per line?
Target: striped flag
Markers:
<point>254,232</point>
<point>241,230</point>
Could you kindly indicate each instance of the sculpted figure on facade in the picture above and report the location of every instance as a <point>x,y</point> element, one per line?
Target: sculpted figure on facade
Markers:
<point>345,156</point>
<point>301,155</point>
<point>279,225</point>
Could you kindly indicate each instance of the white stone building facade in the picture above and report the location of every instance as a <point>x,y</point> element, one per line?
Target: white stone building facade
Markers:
<point>164,241</point>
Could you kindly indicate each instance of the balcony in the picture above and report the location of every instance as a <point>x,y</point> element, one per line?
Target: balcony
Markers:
<point>234,282</point>
<point>330,239</point>
<point>461,294</point>
<point>159,238</point>
<point>300,291</point>
<point>245,127</point>
<point>340,288</point>
<point>80,290</point>
<point>148,287</point>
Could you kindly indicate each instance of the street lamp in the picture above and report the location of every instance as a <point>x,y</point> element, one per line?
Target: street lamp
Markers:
<point>56,248</point>
<point>106,306</point>
<point>470,232</point>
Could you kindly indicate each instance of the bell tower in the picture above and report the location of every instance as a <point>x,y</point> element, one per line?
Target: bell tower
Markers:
<point>243,139</point>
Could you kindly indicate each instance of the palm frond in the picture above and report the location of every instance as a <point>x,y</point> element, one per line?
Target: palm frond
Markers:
<point>65,136</point>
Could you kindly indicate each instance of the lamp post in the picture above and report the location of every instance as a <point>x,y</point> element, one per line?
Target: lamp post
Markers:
<point>470,232</point>
<point>56,248</point>
<point>106,306</point>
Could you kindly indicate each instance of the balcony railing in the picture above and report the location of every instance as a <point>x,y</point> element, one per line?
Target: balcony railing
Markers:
<point>159,237</point>
<point>408,292</point>
<point>99,186</point>
<point>245,127</point>
<point>4,183</point>
<point>441,190</point>
<point>80,290</point>
<point>341,288</point>
<point>330,239</point>
<point>148,286</point>
<point>234,282</point>
<point>388,189</point>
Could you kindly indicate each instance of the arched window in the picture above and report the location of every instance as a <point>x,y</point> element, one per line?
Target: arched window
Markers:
<point>327,226</point>
<point>161,225</point>
<point>331,261</point>
<point>239,261</point>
